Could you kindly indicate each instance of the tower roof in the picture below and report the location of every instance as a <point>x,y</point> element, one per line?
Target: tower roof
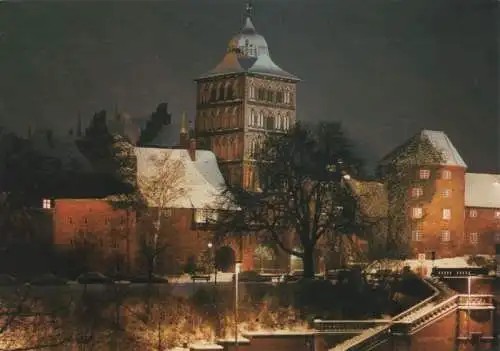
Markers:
<point>248,52</point>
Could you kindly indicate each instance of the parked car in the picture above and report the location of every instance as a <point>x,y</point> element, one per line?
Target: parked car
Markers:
<point>93,278</point>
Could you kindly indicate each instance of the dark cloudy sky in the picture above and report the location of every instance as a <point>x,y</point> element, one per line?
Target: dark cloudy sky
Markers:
<point>385,68</point>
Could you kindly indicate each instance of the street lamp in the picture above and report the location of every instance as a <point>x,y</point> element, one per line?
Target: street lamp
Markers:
<point>210,246</point>
<point>237,267</point>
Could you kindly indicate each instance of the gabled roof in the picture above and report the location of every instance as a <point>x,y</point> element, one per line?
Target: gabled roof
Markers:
<point>441,143</point>
<point>201,181</point>
<point>482,190</point>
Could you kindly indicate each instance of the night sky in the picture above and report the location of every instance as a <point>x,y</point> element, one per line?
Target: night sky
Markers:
<point>385,68</point>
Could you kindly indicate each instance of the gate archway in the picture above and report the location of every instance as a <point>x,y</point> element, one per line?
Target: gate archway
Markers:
<point>225,258</point>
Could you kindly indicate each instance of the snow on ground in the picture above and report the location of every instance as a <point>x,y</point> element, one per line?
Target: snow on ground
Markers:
<point>186,278</point>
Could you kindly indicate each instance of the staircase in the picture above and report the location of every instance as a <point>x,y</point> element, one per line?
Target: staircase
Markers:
<point>442,302</point>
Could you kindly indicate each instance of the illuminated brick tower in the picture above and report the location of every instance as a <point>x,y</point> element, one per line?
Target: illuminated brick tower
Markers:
<point>242,99</point>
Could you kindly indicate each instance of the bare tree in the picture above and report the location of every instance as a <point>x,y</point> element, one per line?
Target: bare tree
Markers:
<point>300,195</point>
<point>160,189</point>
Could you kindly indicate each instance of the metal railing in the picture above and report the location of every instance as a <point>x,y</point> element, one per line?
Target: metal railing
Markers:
<point>347,326</point>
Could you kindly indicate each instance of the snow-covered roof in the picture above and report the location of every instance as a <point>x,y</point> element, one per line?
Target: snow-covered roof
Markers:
<point>439,141</point>
<point>482,190</point>
<point>442,143</point>
<point>200,182</point>
<point>248,52</point>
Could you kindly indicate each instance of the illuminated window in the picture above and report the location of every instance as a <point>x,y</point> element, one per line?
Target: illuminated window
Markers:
<point>497,214</point>
<point>416,235</point>
<point>417,192</point>
<point>497,237</point>
<point>46,204</point>
<point>472,213</point>
<point>287,97</point>
<point>205,216</point>
<point>446,214</point>
<point>424,174</point>
<point>474,238</point>
<point>446,174</point>
<point>445,235</point>
<point>446,193</point>
<point>417,212</point>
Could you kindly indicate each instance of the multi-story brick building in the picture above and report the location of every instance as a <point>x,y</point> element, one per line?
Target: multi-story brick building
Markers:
<point>449,212</point>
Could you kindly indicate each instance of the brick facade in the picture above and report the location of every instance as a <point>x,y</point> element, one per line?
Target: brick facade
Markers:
<point>439,232</point>
<point>482,224</point>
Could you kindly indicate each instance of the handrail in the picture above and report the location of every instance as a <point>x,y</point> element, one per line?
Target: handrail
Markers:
<point>374,335</point>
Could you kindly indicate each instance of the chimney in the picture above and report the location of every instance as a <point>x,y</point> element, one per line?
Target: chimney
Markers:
<point>192,149</point>
<point>184,137</point>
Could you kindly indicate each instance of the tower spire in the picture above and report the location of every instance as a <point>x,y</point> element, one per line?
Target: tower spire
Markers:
<point>248,9</point>
<point>183,123</point>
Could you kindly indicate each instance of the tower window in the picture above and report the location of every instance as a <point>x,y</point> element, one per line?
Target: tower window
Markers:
<point>261,94</point>
<point>446,193</point>
<point>472,213</point>
<point>446,174</point>
<point>46,204</point>
<point>279,97</point>
<point>222,92</point>
<point>417,212</point>
<point>446,214</point>
<point>251,92</point>
<point>269,95</point>
<point>270,122</point>
<point>213,94</point>
<point>417,192</point>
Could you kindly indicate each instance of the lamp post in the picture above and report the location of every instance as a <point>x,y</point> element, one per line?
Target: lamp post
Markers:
<point>236,273</point>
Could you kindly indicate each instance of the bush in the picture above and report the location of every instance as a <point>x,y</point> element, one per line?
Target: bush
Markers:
<point>6,280</point>
<point>48,280</point>
<point>190,266</point>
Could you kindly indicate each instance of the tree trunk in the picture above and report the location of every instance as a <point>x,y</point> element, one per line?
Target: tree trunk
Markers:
<point>308,263</point>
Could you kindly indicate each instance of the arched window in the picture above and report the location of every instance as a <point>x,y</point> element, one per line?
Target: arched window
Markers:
<point>210,121</point>
<point>279,97</point>
<point>270,122</point>
<point>251,92</point>
<point>213,93</point>
<point>278,121</point>
<point>222,89</point>
<point>223,148</point>
<point>269,95</point>
<point>234,118</point>
<point>254,118</point>
<point>230,154</point>
<point>229,91</point>
<point>219,120</point>
<point>287,96</point>
<point>227,117</point>
<point>236,147</point>
<point>261,119</point>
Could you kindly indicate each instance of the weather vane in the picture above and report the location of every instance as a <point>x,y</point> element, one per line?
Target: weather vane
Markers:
<point>249,8</point>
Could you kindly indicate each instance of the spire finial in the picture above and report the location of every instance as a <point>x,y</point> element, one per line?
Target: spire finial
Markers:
<point>249,9</point>
<point>183,123</point>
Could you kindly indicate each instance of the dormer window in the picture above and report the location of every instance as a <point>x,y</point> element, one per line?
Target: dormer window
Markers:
<point>47,204</point>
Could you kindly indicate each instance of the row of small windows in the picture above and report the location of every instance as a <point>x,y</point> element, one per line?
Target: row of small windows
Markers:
<point>445,236</point>
<point>418,213</point>
<point>219,92</point>
<point>228,119</point>
<point>473,214</point>
<point>227,148</point>
<point>271,96</point>
<point>418,192</point>
<point>426,174</point>
<point>270,122</point>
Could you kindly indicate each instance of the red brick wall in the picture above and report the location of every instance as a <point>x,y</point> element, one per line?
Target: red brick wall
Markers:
<point>432,224</point>
<point>486,224</point>
<point>438,336</point>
